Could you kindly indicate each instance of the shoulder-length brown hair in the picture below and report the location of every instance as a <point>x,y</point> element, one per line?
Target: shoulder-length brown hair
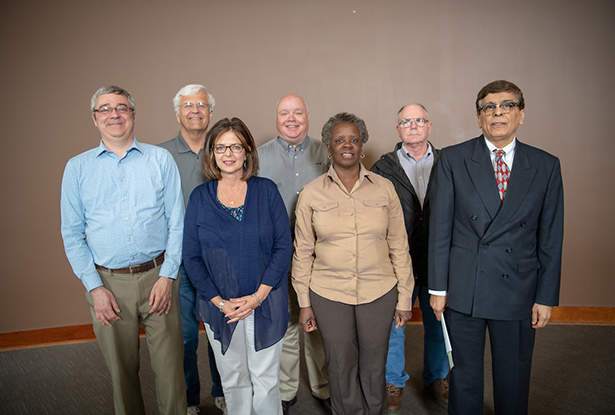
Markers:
<point>208,164</point>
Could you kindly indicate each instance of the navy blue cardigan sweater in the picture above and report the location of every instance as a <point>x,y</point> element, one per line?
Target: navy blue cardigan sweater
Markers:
<point>231,258</point>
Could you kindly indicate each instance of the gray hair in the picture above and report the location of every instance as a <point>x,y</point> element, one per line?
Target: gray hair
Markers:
<point>112,89</point>
<point>344,117</point>
<point>416,103</point>
<point>193,89</point>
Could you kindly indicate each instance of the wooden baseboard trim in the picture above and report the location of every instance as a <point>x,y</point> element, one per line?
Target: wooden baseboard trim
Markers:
<point>84,333</point>
<point>583,315</point>
<point>45,337</point>
<point>50,337</point>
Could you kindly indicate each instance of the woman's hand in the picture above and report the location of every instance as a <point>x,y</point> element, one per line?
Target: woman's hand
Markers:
<point>244,306</point>
<point>307,319</point>
<point>402,317</point>
<point>236,309</point>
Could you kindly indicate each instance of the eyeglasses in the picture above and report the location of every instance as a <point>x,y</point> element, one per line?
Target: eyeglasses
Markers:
<point>189,106</point>
<point>505,107</point>
<point>407,122</point>
<point>221,148</point>
<point>108,110</point>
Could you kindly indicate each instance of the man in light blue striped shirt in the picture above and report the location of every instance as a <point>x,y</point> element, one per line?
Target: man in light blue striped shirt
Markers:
<point>122,226</point>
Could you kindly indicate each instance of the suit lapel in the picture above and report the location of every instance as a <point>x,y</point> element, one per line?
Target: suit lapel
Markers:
<point>481,173</point>
<point>521,178</point>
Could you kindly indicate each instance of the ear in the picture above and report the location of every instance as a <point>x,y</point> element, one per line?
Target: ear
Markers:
<point>94,118</point>
<point>521,116</point>
<point>177,116</point>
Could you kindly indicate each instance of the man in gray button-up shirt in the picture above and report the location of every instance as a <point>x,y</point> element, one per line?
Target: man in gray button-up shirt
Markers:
<point>193,108</point>
<point>292,160</point>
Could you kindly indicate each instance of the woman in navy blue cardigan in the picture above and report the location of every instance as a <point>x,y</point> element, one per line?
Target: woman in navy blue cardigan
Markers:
<point>237,250</point>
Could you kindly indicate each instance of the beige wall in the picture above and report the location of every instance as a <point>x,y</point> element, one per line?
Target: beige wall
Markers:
<point>365,57</point>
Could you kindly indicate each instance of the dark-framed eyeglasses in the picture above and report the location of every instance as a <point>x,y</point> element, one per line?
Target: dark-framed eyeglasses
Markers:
<point>108,110</point>
<point>407,122</point>
<point>189,106</point>
<point>505,107</point>
<point>221,148</point>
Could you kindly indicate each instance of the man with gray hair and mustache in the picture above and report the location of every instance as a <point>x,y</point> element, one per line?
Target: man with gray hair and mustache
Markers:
<point>194,107</point>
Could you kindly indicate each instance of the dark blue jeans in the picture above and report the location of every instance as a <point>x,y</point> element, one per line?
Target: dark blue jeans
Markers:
<point>190,330</point>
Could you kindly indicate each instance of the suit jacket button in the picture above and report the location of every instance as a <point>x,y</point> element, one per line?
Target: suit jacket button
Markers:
<point>523,224</point>
<point>509,250</point>
<point>485,245</point>
<point>504,275</point>
<point>474,217</point>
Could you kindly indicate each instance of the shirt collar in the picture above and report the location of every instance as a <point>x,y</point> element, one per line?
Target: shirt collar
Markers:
<point>363,174</point>
<point>406,154</point>
<point>289,147</point>
<point>103,149</point>
<point>507,150</point>
<point>182,146</point>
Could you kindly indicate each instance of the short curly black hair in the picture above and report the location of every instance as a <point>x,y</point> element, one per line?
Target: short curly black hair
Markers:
<point>344,117</point>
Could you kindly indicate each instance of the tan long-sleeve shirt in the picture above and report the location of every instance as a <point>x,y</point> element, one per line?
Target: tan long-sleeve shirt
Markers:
<point>351,247</point>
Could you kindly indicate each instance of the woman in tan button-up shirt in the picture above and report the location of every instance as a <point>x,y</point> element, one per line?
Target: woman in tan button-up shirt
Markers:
<point>351,268</point>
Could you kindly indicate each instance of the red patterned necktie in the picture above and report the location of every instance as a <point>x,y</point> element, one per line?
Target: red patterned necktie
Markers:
<point>502,173</point>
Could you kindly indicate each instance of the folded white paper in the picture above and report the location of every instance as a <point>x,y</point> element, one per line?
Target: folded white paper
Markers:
<point>447,342</point>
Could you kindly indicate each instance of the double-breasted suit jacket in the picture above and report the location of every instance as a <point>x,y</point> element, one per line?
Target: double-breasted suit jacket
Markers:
<point>496,259</point>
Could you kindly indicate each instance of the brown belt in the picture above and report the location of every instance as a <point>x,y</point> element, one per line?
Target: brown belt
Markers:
<point>136,269</point>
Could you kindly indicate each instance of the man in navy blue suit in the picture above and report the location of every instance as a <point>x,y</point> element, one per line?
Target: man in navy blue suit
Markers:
<point>495,246</point>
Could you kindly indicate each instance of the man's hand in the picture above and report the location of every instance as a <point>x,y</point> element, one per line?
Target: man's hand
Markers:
<point>161,296</point>
<point>540,315</point>
<point>307,319</point>
<point>438,303</point>
<point>105,306</point>
<point>402,317</point>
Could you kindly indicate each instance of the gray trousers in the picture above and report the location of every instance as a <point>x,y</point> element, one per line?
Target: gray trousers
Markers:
<point>356,342</point>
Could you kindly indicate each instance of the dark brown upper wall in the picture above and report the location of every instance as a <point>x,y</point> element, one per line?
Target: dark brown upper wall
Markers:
<point>365,57</point>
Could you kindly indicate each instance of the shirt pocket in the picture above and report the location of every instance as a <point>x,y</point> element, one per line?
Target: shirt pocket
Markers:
<point>376,210</point>
<point>325,213</point>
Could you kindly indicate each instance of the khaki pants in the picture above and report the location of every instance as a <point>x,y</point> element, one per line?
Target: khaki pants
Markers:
<point>314,356</point>
<point>120,344</point>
